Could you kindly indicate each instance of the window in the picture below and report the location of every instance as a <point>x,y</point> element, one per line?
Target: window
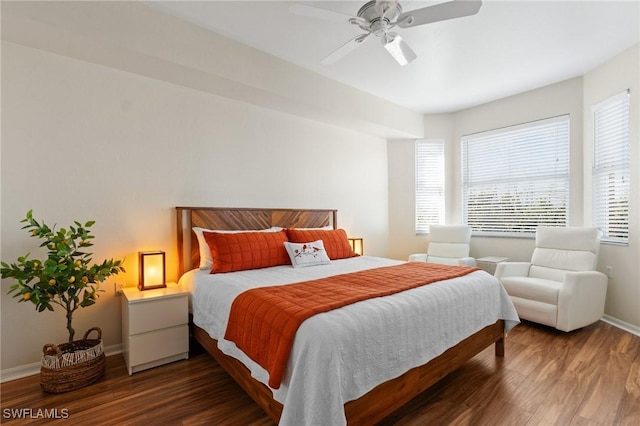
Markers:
<point>429,183</point>
<point>516,178</point>
<point>611,168</point>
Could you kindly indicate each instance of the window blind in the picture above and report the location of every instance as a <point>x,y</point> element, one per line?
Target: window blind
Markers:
<point>516,178</point>
<point>429,183</point>
<point>611,168</point>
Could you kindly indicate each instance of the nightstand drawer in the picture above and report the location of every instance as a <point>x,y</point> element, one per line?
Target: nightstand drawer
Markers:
<point>158,344</point>
<point>158,314</point>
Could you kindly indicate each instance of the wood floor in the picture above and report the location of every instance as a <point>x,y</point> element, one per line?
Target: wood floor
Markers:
<point>588,377</point>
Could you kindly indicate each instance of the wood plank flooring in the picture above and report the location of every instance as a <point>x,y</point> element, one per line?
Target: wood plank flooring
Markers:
<point>587,377</point>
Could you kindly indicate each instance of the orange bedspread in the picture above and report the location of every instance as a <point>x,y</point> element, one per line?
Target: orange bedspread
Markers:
<point>263,321</point>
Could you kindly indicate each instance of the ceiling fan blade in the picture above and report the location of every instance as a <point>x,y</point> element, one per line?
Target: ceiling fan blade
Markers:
<point>319,13</point>
<point>439,12</point>
<point>346,48</point>
<point>398,48</point>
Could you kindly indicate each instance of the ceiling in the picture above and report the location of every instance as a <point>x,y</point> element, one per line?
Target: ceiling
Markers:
<point>509,47</point>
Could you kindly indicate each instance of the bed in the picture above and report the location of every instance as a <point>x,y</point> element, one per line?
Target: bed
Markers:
<point>361,378</point>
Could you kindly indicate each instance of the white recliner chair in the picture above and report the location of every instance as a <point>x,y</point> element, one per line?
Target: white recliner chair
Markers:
<point>448,244</point>
<point>560,286</point>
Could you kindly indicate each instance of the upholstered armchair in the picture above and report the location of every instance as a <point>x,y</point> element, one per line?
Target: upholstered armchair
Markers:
<point>560,286</point>
<point>448,244</point>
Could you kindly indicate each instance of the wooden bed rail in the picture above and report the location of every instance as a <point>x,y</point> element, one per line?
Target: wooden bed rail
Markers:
<point>382,400</point>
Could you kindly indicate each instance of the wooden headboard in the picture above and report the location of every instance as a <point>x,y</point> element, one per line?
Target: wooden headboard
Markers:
<point>229,218</point>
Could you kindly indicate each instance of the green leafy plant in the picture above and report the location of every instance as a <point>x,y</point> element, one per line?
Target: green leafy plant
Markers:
<point>66,277</point>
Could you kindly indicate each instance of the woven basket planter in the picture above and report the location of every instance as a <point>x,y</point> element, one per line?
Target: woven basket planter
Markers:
<point>68,367</point>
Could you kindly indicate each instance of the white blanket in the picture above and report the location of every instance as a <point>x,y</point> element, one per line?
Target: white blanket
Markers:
<point>340,355</point>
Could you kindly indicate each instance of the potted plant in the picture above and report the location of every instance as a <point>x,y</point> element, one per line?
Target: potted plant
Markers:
<point>69,278</point>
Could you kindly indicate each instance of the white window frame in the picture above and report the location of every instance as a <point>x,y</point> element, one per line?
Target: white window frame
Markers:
<point>611,168</point>
<point>429,195</point>
<point>516,178</point>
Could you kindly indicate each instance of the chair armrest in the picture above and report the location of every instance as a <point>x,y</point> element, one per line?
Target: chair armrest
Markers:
<point>467,261</point>
<point>512,269</point>
<point>581,299</point>
<point>418,257</point>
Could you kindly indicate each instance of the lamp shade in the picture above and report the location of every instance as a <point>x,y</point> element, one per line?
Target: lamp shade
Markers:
<point>151,270</point>
<point>356,245</point>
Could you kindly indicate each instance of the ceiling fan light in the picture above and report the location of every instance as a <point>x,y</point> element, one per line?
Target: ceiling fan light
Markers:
<point>398,48</point>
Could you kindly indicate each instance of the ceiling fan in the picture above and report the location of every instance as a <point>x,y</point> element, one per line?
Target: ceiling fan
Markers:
<point>379,17</point>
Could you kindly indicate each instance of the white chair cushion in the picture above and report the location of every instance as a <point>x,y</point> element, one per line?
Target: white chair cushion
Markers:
<point>449,245</point>
<point>418,257</point>
<point>545,273</point>
<point>449,234</point>
<point>571,238</point>
<point>448,249</point>
<point>537,289</point>
<point>570,260</point>
<point>443,260</point>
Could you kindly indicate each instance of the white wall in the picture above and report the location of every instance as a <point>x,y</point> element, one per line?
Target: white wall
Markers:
<point>573,97</point>
<point>617,75</point>
<point>556,99</point>
<point>402,238</point>
<point>115,112</point>
<point>84,141</point>
<point>132,36</point>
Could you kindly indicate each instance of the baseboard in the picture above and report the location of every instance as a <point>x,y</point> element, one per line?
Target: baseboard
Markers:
<point>633,329</point>
<point>27,370</point>
<point>19,372</point>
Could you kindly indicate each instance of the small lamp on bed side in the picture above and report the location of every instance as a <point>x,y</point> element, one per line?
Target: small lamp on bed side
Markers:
<point>356,245</point>
<point>151,270</point>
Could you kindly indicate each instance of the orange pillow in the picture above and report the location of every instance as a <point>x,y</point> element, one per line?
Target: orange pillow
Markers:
<point>335,241</point>
<point>246,250</point>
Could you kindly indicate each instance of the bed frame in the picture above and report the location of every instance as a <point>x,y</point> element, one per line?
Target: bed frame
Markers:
<point>371,407</point>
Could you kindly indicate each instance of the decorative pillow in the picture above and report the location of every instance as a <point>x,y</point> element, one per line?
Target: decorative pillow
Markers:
<point>246,250</point>
<point>206,261</point>
<point>307,254</point>
<point>335,241</point>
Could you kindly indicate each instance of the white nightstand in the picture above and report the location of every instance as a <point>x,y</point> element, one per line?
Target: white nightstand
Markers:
<point>489,263</point>
<point>155,326</point>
